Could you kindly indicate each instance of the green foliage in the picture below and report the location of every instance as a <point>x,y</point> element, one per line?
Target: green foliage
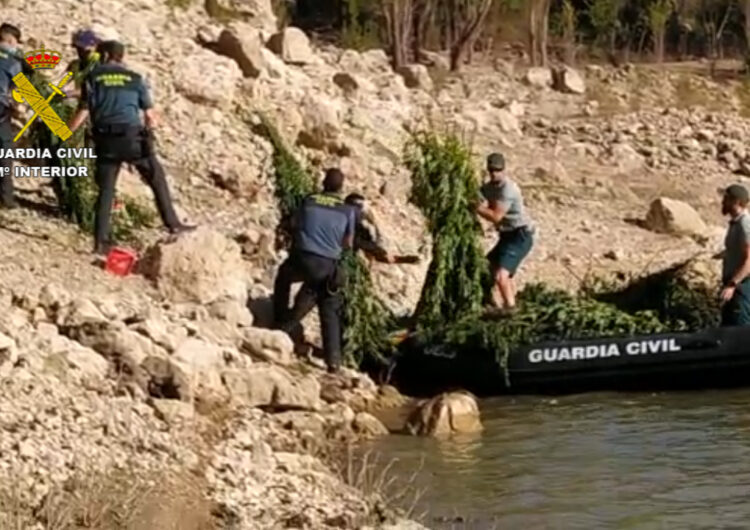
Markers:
<point>543,314</point>
<point>445,189</point>
<point>367,321</point>
<point>679,303</point>
<point>360,29</point>
<point>659,12</point>
<point>292,181</point>
<point>604,17</point>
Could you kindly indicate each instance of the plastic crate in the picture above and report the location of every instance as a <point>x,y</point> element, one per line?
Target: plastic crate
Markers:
<point>120,261</point>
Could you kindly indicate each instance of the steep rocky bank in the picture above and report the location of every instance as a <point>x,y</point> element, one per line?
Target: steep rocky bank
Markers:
<point>166,376</point>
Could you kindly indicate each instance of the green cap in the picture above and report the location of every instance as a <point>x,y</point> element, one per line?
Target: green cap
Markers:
<point>496,162</point>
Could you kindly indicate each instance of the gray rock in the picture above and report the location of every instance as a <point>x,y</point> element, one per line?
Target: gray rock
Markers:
<point>269,345</point>
<point>674,217</point>
<point>292,45</point>
<point>201,267</point>
<point>272,387</point>
<point>243,44</point>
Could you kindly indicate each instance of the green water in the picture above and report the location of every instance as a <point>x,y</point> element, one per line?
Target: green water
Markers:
<point>594,461</point>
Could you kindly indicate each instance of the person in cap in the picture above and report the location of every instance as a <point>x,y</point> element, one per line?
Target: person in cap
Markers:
<point>502,205</point>
<point>10,66</point>
<point>364,239</point>
<point>735,269</point>
<point>85,42</point>
<point>113,97</point>
<point>323,227</point>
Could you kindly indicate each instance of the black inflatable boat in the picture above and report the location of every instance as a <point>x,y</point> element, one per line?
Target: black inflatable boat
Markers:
<point>708,359</point>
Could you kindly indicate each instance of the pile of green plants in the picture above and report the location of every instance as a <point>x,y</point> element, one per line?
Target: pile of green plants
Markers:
<point>685,304</point>
<point>543,314</point>
<point>367,321</point>
<point>446,190</point>
<point>76,196</point>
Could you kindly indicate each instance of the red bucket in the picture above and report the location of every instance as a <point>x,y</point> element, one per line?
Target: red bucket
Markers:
<point>120,261</point>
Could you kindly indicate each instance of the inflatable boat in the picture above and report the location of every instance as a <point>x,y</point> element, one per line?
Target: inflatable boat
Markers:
<point>674,361</point>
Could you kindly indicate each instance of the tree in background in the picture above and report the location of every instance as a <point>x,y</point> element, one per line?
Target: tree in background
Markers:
<point>569,24</point>
<point>468,17</point>
<point>398,17</point>
<point>714,17</point>
<point>538,28</point>
<point>605,19</point>
<point>424,18</point>
<point>659,13</point>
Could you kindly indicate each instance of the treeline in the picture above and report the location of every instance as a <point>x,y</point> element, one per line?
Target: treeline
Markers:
<point>561,30</point>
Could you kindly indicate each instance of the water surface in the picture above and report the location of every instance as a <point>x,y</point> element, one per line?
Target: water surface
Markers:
<point>620,461</point>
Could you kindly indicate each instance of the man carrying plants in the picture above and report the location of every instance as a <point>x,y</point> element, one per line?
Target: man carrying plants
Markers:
<point>502,205</point>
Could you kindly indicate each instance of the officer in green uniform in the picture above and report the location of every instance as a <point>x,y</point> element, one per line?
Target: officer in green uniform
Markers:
<point>10,65</point>
<point>323,226</point>
<point>113,97</point>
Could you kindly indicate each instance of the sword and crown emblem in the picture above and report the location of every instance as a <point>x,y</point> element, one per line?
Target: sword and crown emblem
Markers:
<point>25,91</point>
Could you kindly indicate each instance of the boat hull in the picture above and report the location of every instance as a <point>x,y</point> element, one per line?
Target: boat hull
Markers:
<point>713,358</point>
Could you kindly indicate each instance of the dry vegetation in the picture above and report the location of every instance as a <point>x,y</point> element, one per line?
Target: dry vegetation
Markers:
<point>116,500</point>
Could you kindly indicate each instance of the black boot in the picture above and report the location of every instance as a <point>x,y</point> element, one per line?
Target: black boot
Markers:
<point>181,228</point>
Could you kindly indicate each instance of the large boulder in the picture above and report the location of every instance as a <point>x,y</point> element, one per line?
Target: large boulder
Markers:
<point>368,426</point>
<point>627,158</point>
<point>259,13</point>
<point>235,174</point>
<point>445,415</point>
<point>269,345</point>
<point>161,332</point>
<point>193,371</point>
<point>203,77</point>
<point>539,77</point>
<point>200,267</point>
<point>416,76</point>
<point>321,123</point>
<point>292,45</point>
<point>671,216</point>
<point>273,388</point>
<point>79,312</point>
<point>243,43</point>
<point>569,80</point>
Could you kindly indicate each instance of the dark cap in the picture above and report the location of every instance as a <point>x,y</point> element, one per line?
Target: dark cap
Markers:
<point>355,199</point>
<point>112,47</point>
<point>334,180</point>
<point>10,29</point>
<point>85,38</point>
<point>496,162</point>
<point>737,192</point>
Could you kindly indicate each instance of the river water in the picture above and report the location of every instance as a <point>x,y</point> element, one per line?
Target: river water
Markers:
<point>592,461</point>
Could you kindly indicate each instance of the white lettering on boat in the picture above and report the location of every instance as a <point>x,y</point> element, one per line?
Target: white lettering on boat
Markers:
<point>602,351</point>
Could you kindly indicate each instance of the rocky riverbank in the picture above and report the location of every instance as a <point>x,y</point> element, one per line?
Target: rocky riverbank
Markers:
<point>125,400</point>
<point>105,400</point>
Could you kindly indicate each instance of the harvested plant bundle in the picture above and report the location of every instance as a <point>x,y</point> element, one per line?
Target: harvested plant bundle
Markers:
<point>544,314</point>
<point>445,189</point>
<point>366,320</point>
